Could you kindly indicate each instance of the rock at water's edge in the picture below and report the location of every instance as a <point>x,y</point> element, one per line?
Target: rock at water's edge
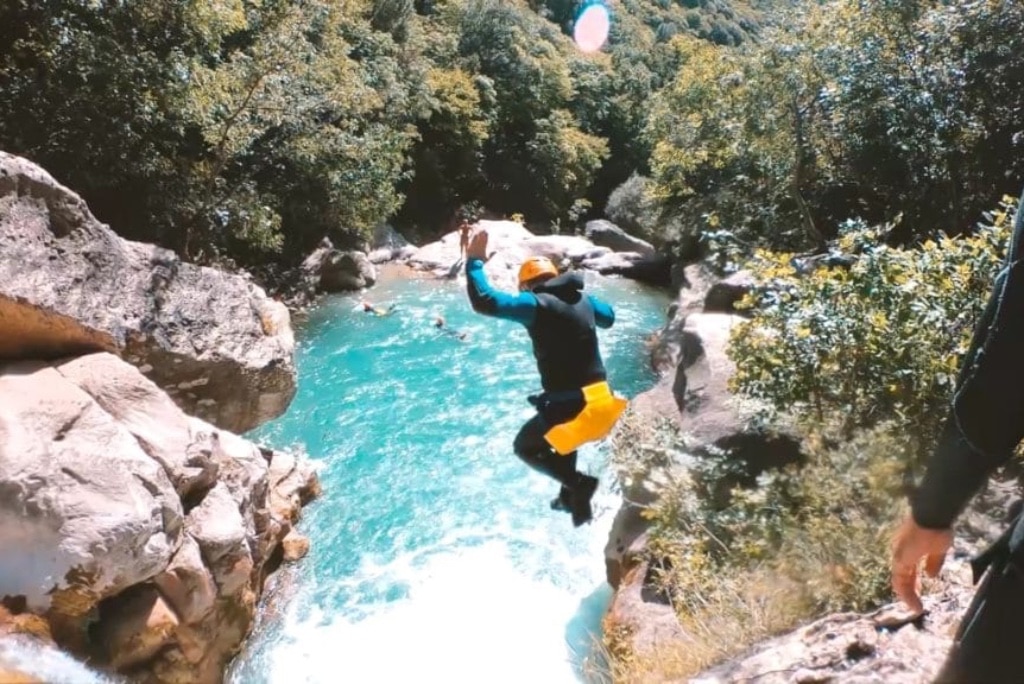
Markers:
<point>142,536</point>
<point>68,285</point>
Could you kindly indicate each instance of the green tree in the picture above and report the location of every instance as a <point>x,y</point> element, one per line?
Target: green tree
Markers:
<point>211,127</point>
<point>845,109</point>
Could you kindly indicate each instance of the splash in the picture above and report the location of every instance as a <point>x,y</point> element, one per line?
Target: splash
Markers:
<point>591,29</point>
<point>43,663</point>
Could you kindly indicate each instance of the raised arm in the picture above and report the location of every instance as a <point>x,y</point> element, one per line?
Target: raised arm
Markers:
<point>604,314</point>
<point>521,307</point>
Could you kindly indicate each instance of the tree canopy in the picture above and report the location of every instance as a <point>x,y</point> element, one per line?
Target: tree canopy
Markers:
<point>250,129</point>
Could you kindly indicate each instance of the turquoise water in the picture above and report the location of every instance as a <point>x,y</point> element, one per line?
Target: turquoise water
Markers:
<point>434,554</point>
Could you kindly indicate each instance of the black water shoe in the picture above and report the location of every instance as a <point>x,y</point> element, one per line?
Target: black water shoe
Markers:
<point>562,502</point>
<point>584,490</point>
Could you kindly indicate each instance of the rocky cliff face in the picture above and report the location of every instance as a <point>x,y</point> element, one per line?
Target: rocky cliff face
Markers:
<point>136,530</point>
<point>141,535</point>
<point>68,285</point>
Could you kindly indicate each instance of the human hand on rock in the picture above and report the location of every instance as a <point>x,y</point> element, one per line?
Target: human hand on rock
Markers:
<point>910,545</point>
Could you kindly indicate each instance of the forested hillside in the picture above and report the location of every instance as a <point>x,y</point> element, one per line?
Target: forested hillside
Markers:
<point>251,129</point>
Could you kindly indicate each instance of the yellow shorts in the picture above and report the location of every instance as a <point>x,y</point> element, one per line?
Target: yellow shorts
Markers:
<point>600,412</point>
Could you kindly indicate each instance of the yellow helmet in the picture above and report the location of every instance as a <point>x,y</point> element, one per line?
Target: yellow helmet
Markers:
<point>535,267</point>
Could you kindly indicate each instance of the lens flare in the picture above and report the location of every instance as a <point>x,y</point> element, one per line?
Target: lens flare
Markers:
<point>591,29</point>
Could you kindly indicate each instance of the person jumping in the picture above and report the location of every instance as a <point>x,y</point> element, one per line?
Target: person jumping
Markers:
<point>577,405</point>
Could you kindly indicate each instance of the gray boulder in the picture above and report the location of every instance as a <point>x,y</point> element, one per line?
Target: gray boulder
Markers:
<point>84,510</point>
<point>214,341</point>
<point>726,293</point>
<point>385,235</point>
<point>346,271</point>
<point>124,517</point>
<point>651,269</point>
<point>389,245</point>
<point>327,269</point>
<point>606,234</point>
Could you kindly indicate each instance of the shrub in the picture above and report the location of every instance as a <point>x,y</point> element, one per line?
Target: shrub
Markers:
<point>880,338</point>
<point>806,540</point>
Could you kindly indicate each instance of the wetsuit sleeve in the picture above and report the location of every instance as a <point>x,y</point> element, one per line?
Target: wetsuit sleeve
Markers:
<point>955,474</point>
<point>604,314</point>
<point>986,421</point>
<point>521,307</point>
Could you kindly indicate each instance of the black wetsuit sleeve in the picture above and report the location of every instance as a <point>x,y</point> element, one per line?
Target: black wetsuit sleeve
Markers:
<point>955,474</point>
<point>986,420</point>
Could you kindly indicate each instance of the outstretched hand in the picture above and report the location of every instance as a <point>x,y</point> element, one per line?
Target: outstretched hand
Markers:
<point>477,248</point>
<point>910,545</point>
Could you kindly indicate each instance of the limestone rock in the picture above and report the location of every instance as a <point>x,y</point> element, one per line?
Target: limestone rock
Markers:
<point>156,423</point>
<point>293,483</point>
<point>346,271</point>
<point>28,624</point>
<point>296,546</point>
<point>217,526</point>
<point>696,282</point>
<point>726,293</point>
<point>187,583</point>
<point>649,269</point>
<point>389,245</point>
<point>385,235</point>
<point>382,255</point>
<point>215,342</point>
<point>696,398</point>
<point>700,388</point>
<point>711,418</point>
<point>121,515</point>
<point>563,250</point>
<point>143,625</point>
<point>511,243</point>
<point>640,615</point>
<point>697,387</point>
<point>439,256</point>
<point>876,648</point>
<point>327,269</point>
<point>626,542</point>
<point>314,261</point>
<point>87,508</point>
<point>606,234</point>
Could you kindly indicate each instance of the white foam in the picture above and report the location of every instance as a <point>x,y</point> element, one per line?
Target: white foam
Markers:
<point>470,616</point>
<point>32,658</point>
<point>503,604</point>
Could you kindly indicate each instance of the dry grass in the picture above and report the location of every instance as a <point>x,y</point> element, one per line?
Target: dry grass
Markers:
<point>618,663</point>
<point>745,609</point>
<point>803,543</point>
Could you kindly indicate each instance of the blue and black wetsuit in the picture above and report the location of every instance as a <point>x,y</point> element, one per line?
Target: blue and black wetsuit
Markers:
<point>984,426</point>
<point>561,321</point>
